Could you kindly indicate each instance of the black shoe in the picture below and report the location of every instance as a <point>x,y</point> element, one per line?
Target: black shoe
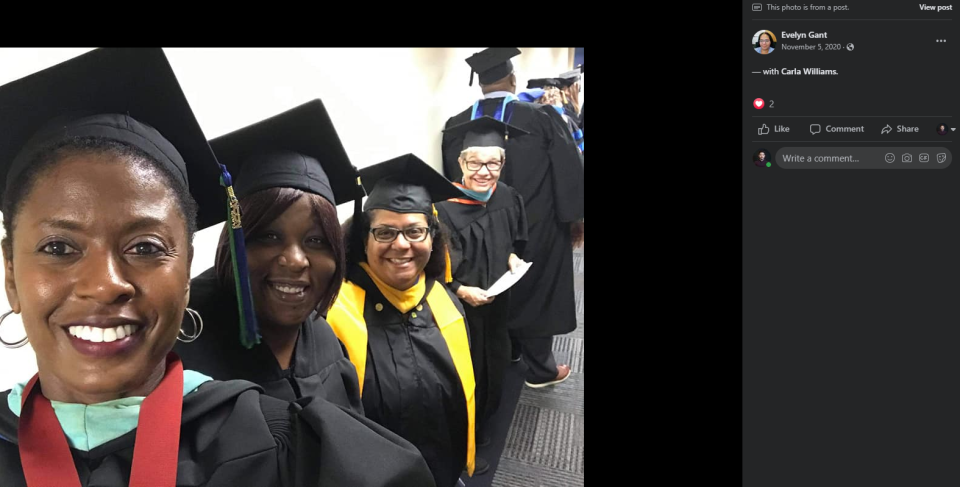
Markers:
<point>480,466</point>
<point>516,350</point>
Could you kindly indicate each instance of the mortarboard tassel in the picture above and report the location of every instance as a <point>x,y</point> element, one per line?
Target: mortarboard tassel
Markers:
<point>249,333</point>
<point>357,207</point>
<point>358,202</point>
<point>447,273</point>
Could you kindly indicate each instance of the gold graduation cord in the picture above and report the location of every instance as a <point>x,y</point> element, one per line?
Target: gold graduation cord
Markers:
<point>346,319</point>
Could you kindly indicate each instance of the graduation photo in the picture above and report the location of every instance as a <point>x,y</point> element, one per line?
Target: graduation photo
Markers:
<point>231,266</point>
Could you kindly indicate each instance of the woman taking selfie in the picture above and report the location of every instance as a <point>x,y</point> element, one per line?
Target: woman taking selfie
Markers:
<point>99,222</point>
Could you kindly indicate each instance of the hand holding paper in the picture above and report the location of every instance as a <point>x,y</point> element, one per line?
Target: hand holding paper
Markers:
<point>474,296</point>
<point>514,263</point>
<point>509,279</point>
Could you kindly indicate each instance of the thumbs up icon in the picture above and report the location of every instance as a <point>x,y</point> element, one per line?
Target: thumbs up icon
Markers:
<point>763,130</point>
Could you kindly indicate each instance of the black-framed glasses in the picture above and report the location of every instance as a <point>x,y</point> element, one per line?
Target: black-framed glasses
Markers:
<point>491,166</point>
<point>389,234</point>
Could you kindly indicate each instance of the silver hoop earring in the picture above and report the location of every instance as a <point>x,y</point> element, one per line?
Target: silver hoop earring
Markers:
<point>197,327</point>
<point>14,344</point>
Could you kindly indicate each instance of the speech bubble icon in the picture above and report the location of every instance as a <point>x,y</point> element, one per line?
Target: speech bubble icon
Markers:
<point>814,128</point>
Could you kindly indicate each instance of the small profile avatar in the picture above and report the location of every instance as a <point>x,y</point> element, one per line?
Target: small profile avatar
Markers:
<point>943,129</point>
<point>762,158</point>
<point>764,41</point>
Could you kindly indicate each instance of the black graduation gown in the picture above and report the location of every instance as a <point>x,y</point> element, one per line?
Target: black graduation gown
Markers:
<point>569,111</point>
<point>411,385</point>
<point>481,240</point>
<point>319,366</point>
<point>576,133</point>
<point>571,123</point>
<point>547,170</point>
<point>231,434</point>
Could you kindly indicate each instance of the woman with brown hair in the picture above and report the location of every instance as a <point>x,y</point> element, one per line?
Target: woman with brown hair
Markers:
<point>291,171</point>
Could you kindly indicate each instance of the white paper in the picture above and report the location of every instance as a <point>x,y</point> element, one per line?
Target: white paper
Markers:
<point>508,280</point>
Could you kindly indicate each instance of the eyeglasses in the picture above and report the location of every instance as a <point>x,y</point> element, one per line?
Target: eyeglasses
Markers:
<point>491,166</point>
<point>389,234</point>
<point>765,40</point>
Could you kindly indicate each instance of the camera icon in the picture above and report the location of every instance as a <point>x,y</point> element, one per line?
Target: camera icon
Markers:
<point>908,158</point>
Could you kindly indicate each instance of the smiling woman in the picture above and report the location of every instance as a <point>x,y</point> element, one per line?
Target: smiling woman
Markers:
<point>404,330</point>
<point>291,172</point>
<point>488,227</point>
<point>92,244</point>
<point>99,221</point>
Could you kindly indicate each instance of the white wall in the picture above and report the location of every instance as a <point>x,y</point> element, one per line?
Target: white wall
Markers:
<point>385,103</point>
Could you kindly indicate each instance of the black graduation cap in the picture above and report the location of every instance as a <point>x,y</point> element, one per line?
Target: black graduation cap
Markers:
<point>298,148</point>
<point>543,82</point>
<point>129,95</point>
<point>570,77</point>
<point>492,64</point>
<point>485,131</point>
<point>405,184</point>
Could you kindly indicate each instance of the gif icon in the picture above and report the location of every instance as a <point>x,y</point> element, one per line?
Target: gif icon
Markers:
<point>757,7</point>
